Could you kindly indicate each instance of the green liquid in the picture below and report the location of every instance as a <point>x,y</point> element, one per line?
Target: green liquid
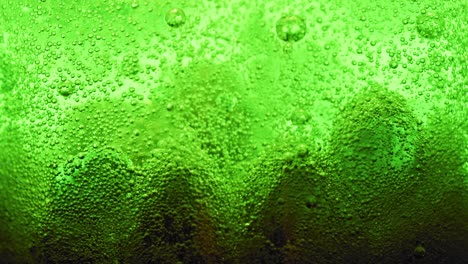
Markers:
<point>233,131</point>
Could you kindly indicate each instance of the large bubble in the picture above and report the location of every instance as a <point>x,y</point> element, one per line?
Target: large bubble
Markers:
<point>430,25</point>
<point>175,17</point>
<point>291,28</point>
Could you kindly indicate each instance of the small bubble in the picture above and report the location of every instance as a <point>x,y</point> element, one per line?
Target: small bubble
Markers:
<point>291,28</point>
<point>287,48</point>
<point>169,107</point>
<point>175,17</point>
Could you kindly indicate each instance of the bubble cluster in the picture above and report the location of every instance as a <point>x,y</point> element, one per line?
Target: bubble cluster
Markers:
<point>291,28</point>
<point>82,201</point>
<point>175,17</point>
<point>430,25</point>
<point>66,88</point>
<point>8,75</point>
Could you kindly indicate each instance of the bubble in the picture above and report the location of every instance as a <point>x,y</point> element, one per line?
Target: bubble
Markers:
<point>311,202</point>
<point>300,116</point>
<point>430,25</point>
<point>175,17</point>
<point>287,48</point>
<point>291,28</point>
<point>393,64</point>
<point>66,88</point>
<point>419,252</point>
<point>226,102</point>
